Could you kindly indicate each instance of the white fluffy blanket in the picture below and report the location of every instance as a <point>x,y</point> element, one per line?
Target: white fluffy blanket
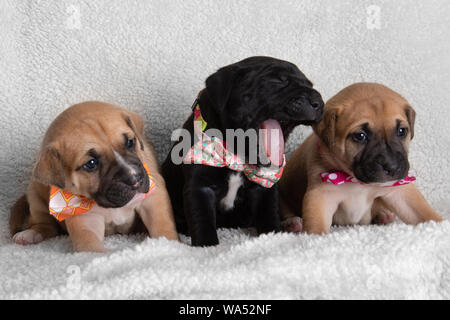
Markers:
<point>152,57</point>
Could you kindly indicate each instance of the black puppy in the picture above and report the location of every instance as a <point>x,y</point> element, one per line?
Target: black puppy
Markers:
<point>255,93</point>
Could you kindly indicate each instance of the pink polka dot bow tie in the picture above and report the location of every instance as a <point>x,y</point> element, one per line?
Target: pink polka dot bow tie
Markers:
<point>340,177</point>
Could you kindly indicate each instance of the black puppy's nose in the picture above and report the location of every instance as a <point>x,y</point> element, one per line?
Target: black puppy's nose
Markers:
<point>303,101</point>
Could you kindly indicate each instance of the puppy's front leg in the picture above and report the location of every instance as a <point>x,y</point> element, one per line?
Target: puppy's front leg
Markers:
<point>87,232</point>
<point>266,204</point>
<point>200,211</point>
<point>409,205</point>
<point>157,215</point>
<point>318,209</point>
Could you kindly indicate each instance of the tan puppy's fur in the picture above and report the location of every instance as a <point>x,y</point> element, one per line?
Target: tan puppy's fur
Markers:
<point>65,148</point>
<point>303,194</point>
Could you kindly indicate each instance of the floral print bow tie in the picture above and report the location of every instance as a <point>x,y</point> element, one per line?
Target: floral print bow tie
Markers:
<point>211,151</point>
<point>64,204</point>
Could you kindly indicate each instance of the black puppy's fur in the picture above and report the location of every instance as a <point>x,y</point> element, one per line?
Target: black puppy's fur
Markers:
<point>241,95</point>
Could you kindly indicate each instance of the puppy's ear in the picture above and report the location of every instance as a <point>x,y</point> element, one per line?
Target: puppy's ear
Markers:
<point>411,116</point>
<point>218,86</point>
<point>49,169</point>
<point>326,128</point>
<point>135,122</point>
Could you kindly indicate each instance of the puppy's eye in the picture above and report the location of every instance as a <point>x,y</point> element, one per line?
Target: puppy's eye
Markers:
<point>402,132</point>
<point>280,81</point>
<point>91,165</point>
<point>359,137</point>
<point>130,143</point>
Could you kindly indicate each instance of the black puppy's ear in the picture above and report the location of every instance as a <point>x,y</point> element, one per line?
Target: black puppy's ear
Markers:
<point>326,128</point>
<point>411,116</point>
<point>219,85</point>
<point>49,169</point>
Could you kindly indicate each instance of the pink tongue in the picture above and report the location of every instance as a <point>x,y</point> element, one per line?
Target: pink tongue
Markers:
<point>273,141</point>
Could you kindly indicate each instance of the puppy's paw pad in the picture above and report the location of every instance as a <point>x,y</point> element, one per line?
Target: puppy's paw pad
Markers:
<point>383,218</point>
<point>293,224</point>
<point>28,236</point>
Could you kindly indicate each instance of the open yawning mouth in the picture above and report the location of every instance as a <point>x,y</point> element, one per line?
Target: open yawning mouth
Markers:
<point>273,141</point>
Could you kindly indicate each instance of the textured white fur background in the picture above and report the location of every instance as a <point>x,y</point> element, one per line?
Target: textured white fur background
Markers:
<point>152,57</point>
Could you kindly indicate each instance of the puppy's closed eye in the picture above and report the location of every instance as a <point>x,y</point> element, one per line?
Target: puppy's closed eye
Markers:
<point>279,81</point>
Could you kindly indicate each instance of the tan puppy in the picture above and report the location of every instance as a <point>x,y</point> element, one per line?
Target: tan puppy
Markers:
<point>365,133</point>
<point>96,150</point>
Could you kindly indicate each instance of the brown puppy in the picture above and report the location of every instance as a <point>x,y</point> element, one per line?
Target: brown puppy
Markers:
<point>365,133</point>
<point>96,150</point>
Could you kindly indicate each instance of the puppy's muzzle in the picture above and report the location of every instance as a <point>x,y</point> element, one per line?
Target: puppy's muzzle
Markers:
<point>132,180</point>
<point>308,110</point>
<point>125,183</point>
<point>388,166</point>
<point>382,168</point>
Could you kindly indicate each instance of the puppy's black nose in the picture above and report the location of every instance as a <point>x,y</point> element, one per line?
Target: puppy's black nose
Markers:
<point>132,181</point>
<point>390,168</point>
<point>305,108</point>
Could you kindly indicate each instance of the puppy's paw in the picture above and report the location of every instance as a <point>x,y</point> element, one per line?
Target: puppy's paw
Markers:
<point>28,236</point>
<point>89,248</point>
<point>293,224</point>
<point>383,217</point>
